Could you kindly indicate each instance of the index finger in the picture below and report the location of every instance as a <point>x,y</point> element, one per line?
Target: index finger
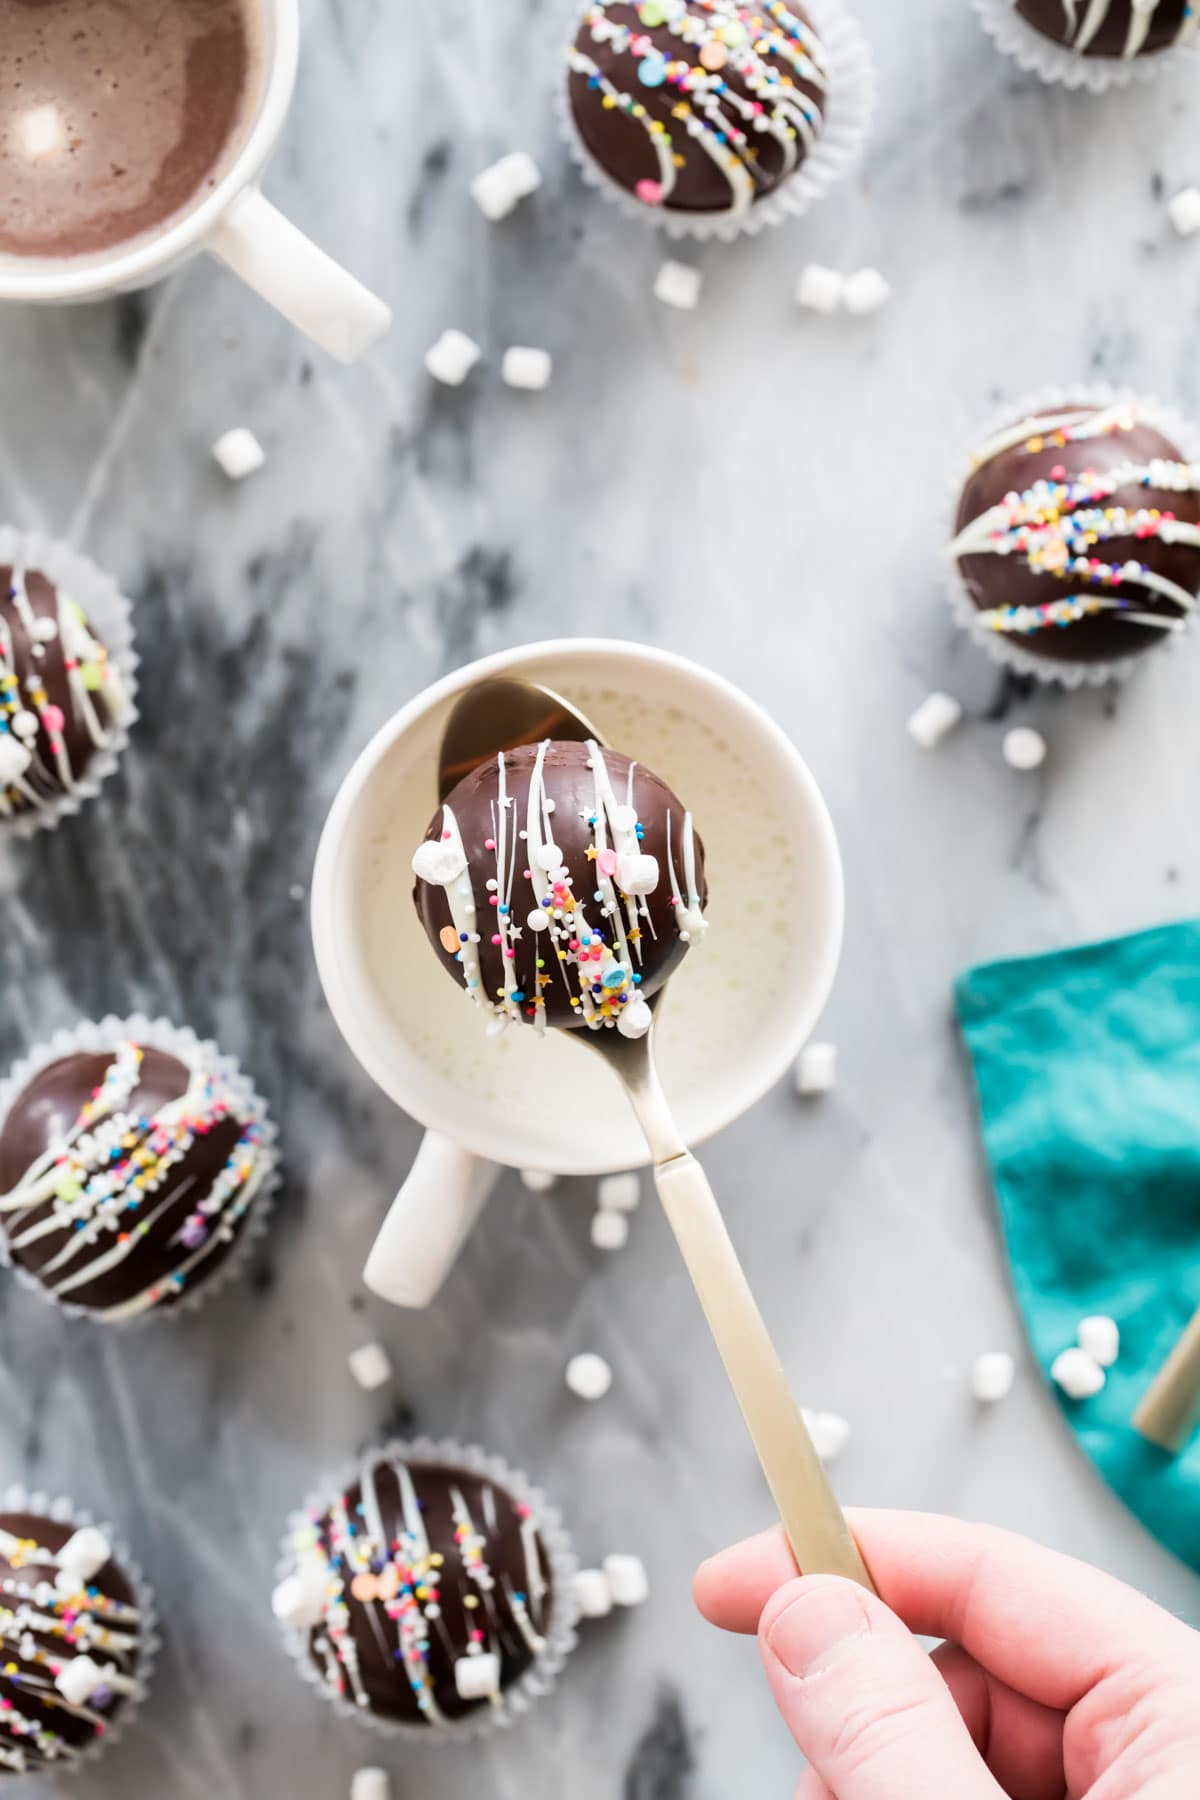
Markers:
<point>1047,1625</point>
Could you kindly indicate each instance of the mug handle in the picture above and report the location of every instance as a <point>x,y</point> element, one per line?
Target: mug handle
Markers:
<point>334,309</point>
<point>429,1222</point>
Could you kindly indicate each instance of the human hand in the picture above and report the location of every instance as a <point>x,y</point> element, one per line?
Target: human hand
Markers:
<point>1055,1683</point>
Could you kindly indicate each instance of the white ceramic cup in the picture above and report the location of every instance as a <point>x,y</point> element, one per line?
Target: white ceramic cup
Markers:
<point>739,1008</point>
<point>235,223</point>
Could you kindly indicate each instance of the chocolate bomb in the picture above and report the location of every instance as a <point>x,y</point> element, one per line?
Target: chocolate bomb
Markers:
<point>424,1591</point>
<point>1078,534</point>
<point>60,696</point>
<point>71,1641</point>
<point>562,884</point>
<point>126,1177</point>
<point>698,106</point>
<point>1115,28</point>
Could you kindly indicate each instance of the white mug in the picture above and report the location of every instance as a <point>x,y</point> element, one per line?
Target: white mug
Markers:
<point>738,1010</point>
<point>235,223</point>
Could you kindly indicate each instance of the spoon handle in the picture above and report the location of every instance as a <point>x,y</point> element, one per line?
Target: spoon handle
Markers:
<point>814,1522</point>
<point>1170,1411</point>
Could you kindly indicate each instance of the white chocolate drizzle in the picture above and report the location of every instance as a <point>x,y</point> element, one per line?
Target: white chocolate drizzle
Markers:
<point>1081,32</point>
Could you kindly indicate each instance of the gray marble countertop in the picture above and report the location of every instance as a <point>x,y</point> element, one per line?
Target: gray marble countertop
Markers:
<point>761,489</point>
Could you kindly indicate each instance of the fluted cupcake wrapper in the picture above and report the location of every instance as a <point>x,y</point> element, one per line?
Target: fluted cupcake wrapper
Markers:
<point>560,1636</point>
<point>109,612</point>
<point>17,1499</point>
<point>174,1040</point>
<point>1061,66</point>
<point>853,88</point>
<point>1008,650</point>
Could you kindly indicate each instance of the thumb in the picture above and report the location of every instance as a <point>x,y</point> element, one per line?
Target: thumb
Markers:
<point>863,1700</point>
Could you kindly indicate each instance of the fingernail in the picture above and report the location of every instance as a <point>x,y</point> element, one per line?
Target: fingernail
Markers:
<point>823,1618</point>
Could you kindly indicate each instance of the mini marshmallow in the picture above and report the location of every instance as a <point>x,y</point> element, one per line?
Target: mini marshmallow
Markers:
<point>627,1580</point>
<point>589,1376</point>
<point>635,1019</point>
<point>619,1193</point>
<point>300,1597</point>
<point>438,864</point>
<point>1100,1337</point>
<point>866,291</point>
<point>992,1376</point>
<point>239,453</point>
<point>538,1181</point>
<point>79,1679</point>
<point>85,1553</point>
<point>1077,1374</point>
<point>593,1596</point>
<point>637,874</point>
<point>370,1365</point>
<point>816,1070</point>
<point>820,289</point>
<point>1024,748</point>
<point>497,189</point>
<point>526,367</point>
<point>1184,212</point>
<point>829,1432</point>
<point>370,1784</point>
<point>610,1230</point>
<point>934,720</point>
<point>14,759</point>
<point>452,358</point>
<point>477,1677</point>
<point>678,284</point>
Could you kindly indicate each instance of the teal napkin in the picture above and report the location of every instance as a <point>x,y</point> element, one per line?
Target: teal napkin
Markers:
<point>1087,1066</point>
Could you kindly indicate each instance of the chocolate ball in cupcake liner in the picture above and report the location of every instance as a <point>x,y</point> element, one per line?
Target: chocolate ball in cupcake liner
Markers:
<point>428,1591</point>
<point>1076,540</point>
<point>68,681</point>
<point>711,118</point>
<point>1093,44</point>
<point>561,884</point>
<point>78,1636</point>
<point>137,1168</point>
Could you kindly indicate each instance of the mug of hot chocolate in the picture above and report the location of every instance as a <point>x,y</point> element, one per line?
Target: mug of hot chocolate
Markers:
<point>134,133</point>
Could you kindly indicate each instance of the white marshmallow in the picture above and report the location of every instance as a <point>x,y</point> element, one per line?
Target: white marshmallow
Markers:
<point>820,289</point>
<point>829,1432</point>
<point>497,189</point>
<point>1024,748</point>
<point>538,1181</point>
<point>816,1070</point>
<point>300,1597</point>
<point>370,1365</point>
<point>992,1376</point>
<point>619,1193</point>
<point>1077,1374</point>
<point>934,720</point>
<point>78,1680</point>
<point>522,173</point>
<point>477,1677</point>
<point>452,358</point>
<point>866,291</point>
<point>1100,1336</point>
<point>637,874</point>
<point>610,1230</point>
<point>593,1596</point>
<point>1184,211</point>
<point>526,367</point>
<point>437,863</point>
<point>85,1553</point>
<point>678,284</point>
<point>628,1582</point>
<point>239,453</point>
<point>14,759</point>
<point>370,1784</point>
<point>635,1019</point>
<point>589,1376</point>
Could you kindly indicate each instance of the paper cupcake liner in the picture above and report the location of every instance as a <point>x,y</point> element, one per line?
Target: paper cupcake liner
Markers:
<point>1008,651</point>
<point>560,1635</point>
<point>173,1040</point>
<point>109,611</point>
<point>852,93</point>
<point>17,1499</point>
<point>1061,66</point>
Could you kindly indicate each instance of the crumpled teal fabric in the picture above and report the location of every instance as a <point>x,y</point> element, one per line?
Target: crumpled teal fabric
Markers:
<point>1087,1066</point>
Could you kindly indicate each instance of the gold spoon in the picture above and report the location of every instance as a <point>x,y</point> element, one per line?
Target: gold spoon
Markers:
<point>499,715</point>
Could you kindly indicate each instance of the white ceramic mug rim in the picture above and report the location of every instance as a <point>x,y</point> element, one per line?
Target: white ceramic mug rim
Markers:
<point>129,268</point>
<point>325,937</point>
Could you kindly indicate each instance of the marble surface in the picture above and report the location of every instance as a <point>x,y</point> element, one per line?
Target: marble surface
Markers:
<point>762,490</point>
